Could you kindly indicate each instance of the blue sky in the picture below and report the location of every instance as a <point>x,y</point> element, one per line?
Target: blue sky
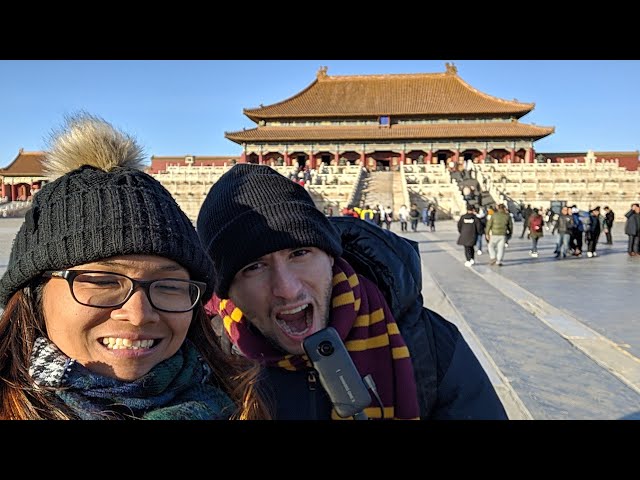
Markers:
<point>183,107</point>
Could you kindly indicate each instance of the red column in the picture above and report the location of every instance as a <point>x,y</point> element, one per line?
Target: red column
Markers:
<point>2,194</point>
<point>362,157</point>
<point>287,161</point>
<point>456,156</point>
<point>512,152</point>
<point>260,161</point>
<point>529,156</point>
<point>312,160</point>
<point>14,193</point>
<point>402,157</point>
<point>243,157</point>
<point>429,156</point>
<point>336,157</point>
<point>484,154</point>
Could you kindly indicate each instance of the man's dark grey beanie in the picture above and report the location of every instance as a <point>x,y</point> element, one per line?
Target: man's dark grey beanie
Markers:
<point>252,211</point>
<point>89,214</point>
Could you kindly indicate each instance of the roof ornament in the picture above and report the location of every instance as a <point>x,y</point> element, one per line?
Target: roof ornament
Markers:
<point>451,68</point>
<point>322,72</point>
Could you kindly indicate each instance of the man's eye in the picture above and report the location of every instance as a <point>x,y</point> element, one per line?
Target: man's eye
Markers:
<point>300,253</point>
<point>252,268</point>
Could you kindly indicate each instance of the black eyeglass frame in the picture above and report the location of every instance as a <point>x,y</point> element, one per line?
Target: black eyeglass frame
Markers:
<point>70,275</point>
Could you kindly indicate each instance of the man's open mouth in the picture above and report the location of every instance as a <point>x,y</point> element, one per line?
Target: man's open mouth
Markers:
<point>296,322</point>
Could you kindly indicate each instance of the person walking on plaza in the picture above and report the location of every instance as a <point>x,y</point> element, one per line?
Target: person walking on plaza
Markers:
<point>563,226</point>
<point>367,214</point>
<point>632,229</point>
<point>414,216</point>
<point>499,226</point>
<point>577,231</point>
<point>388,217</point>
<point>432,218</point>
<point>536,224</point>
<point>525,220</point>
<point>482,216</point>
<point>593,232</point>
<point>469,228</point>
<point>283,271</point>
<point>609,218</point>
<point>403,217</point>
<point>103,297</point>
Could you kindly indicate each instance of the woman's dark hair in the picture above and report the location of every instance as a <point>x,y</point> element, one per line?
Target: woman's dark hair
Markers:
<point>235,374</point>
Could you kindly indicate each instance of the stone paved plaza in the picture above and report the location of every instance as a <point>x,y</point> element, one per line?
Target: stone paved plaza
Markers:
<point>560,339</point>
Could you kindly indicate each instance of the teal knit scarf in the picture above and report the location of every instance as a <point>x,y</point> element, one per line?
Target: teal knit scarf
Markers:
<point>178,388</point>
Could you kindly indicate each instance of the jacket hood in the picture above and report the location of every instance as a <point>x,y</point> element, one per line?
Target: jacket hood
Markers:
<point>392,262</point>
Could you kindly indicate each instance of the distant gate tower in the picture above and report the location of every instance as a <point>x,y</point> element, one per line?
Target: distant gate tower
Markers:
<point>387,120</point>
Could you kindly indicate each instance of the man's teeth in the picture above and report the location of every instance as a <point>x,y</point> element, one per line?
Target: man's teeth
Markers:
<point>287,327</point>
<point>295,310</point>
<point>113,343</point>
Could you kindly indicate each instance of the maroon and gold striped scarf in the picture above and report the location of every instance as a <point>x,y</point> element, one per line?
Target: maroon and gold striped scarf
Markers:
<point>363,320</point>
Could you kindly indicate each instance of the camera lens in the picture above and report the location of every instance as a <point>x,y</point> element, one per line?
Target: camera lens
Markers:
<point>325,348</point>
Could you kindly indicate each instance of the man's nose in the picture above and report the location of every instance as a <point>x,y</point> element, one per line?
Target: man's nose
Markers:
<point>284,282</point>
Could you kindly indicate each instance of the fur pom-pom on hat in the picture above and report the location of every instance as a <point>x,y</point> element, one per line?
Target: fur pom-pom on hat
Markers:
<point>88,140</point>
<point>100,205</point>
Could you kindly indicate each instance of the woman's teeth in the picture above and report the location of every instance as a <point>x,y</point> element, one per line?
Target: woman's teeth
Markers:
<point>113,343</point>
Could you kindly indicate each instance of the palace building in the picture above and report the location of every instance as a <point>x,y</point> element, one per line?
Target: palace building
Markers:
<point>22,177</point>
<point>377,121</point>
<point>389,120</point>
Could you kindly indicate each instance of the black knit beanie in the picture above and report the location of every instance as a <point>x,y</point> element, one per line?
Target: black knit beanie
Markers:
<point>252,211</point>
<point>89,214</point>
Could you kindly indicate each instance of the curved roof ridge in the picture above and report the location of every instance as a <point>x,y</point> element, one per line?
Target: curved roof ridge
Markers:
<point>301,92</point>
<point>380,76</point>
<point>34,152</point>
<point>491,97</point>
<point>24,161</point>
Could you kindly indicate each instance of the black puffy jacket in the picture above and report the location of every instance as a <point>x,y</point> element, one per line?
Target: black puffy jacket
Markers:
<point>451,382</point>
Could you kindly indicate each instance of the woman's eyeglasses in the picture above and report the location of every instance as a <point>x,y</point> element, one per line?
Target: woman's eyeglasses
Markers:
<point>112,290</point>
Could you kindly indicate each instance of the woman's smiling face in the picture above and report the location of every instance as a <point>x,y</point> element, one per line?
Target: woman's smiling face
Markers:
<point>124,342</point>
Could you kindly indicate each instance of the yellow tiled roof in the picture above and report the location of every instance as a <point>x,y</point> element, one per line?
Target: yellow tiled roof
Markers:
<point>27,164</point>
<point>395,132</point>
<point>373,95</point>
